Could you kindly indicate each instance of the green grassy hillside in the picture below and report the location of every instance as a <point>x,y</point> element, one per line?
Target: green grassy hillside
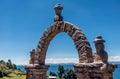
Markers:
<point>14,74</point>
<point>7,72</point>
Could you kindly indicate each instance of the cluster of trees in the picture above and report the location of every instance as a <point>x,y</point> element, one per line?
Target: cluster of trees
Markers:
<point>8,64</point>
<point>64,73</point>
<point>5,66</point>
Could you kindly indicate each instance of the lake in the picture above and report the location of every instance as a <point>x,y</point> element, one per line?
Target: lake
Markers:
<point>54,68</point>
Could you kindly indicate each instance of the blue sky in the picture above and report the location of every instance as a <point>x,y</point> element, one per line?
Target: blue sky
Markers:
<point>22,23</point>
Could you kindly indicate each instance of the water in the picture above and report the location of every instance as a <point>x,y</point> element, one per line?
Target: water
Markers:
<point>21,67</point>
<point>116,74</point>
<point>54,68</point>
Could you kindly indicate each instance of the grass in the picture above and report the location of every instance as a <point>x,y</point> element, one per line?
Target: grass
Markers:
<point>14,74</point>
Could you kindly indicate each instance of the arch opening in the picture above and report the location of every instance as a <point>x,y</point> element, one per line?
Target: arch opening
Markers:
<point>61,52</point>
<point>61,46</point>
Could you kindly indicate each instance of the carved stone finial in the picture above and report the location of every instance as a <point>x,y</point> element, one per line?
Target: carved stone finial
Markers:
<point>58,10</point>
<point>100,54</point>
<point>32,56</point>
<point>99,39</point>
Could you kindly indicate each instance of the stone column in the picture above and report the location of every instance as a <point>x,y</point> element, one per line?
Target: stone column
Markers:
<point>88,71</point>
<point>36,71</point>
<point>94,70</point>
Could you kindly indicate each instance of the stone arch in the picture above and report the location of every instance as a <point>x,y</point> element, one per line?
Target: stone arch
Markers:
<point>85,69</point>
<point>78,37</point>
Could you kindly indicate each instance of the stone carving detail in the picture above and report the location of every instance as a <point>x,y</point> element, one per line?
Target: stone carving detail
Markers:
<point>33,57</point>
<point>81,43</point>
<point>100,55</point>
<point>58,10</point>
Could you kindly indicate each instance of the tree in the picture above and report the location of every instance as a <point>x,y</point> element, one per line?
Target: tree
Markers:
<point>14,66</point>
<point>3,62</point>
<point>64,73</point>
<point>61,71</point>
<point>5,66</point>
<point>9,64</point>
<point>66,76</point>
<point>1,74</point>
<point>53,73</point>
<point>70,74</point>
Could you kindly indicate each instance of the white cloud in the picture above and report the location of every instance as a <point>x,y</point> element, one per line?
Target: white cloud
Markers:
<point>114,59</point>
<point>64,60</point>
<point>75,60</point>
<point>61,60</point>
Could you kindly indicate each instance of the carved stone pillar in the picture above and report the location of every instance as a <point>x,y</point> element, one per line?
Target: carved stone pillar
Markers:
<point>100,55</point>
<point>36,71</point>
<point>94,70</point>
<point>100,68</point>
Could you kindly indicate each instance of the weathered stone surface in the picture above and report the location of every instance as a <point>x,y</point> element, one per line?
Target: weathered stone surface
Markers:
<point>94,70</point>
<point>81,43</point>
<point>63,27</point>
<point>76,35</point>
<point>36,71</point>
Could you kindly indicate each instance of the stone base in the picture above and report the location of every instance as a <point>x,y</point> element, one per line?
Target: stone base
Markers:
<point>36,71</point>
<point>94,70</point>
